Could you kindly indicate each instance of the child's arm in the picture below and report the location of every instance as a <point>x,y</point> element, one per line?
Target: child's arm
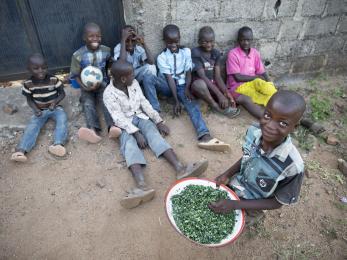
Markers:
<point>126,33</point>
<point>171,82</point>
<point>61,96</point>
<point>33,106</point>
<point>225,206</point>
<point>224,177</point>
<point>245,78</point>
<point>221,85</point>
<point>141,40</point>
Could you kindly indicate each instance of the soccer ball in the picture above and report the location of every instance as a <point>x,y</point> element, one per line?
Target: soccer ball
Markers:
<point>90,76</point>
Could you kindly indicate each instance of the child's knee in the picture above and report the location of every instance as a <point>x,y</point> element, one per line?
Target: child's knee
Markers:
<point>199,85</point>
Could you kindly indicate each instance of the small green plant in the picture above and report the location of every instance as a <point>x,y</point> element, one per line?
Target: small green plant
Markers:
<point>305,142</point>
<point>337,92</point>
<point>321,107</point>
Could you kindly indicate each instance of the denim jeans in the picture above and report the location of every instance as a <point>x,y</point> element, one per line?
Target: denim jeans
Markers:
<point>153,84</point>
<point>131,151</point>
<point>89,100</point>
<point>32,130</point>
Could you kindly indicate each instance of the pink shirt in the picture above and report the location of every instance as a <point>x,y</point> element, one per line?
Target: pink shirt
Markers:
<point>239,62</point>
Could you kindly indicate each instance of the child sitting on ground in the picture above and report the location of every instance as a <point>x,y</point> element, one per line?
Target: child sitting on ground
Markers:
<point>248,82</point>
<point>141,126</point>
<point>94,54</point>
<point>271,170</point>
<point>43,92</point>
<point>207,81</point>
<point>175,64</point>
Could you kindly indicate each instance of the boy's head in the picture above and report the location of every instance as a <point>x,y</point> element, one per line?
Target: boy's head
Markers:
<point>245,38</point>
<point>122,73</point>
<point>37,66</point>
<point>282,114</point>
<point>130,43</point>
<point>92,36</point>
<point>206,38</point>
<point>171,36</point>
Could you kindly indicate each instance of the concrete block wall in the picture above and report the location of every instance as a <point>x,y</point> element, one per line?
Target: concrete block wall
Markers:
<point>293,36</point>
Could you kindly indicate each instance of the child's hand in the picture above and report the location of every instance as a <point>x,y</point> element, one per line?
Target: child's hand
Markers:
<point>177,109</point>
<point>52,106</point>
<point>38,113</point>
<point>188,94</point>
<point>223,102</point>
<point>126,33</point>
<point>140,39</point>
<point>221,179</point>
<point>163,129</point>
<point>231,99</point>
<point>222,206</point>
<point>140,139</point>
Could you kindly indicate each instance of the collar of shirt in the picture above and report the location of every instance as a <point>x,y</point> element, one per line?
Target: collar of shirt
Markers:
<point>243,54</point>
<point>281,151</point>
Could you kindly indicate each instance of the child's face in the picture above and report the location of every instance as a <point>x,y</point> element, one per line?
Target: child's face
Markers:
<point>38,68</point>
<point>207,42</point>
<point>172,41</point>
<point>277,122</point>
<point>245,40</point>
<point>130,44</point>
<point>92,38</point>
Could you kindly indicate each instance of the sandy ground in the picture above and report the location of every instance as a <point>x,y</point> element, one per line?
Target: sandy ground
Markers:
<point>58,208</point>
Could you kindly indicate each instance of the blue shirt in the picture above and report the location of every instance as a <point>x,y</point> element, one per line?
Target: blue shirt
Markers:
<point>137,59</point>
<point>84,57</point>
<point>175,64</point>
<point>278,174</point>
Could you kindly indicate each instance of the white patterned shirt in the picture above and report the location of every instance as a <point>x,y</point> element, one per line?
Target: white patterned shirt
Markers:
<point>123,108</point>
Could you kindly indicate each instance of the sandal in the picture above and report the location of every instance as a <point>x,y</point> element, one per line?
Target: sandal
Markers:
<point>114,132</point>
<point>193,170</point>
<point>136,197</point>
<point>215,145</point>
<point>57,150</point>
<point>18,157</point>
<point>231,112</point>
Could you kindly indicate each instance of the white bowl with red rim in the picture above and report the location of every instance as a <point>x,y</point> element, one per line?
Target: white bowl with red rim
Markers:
<point>179,186</point>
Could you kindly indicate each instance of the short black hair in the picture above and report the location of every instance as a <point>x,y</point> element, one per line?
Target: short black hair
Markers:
<point>35,55</point>
<point>205,30</point>
<point>90,25</point>
<point>119,68</point>
<point>291,100</point>
<point>242,30</point>
<point>170,28</point>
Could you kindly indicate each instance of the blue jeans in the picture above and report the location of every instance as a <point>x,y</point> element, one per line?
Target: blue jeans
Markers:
<point>153,84</point>
<point>131,151</point>
<point>32,130</point>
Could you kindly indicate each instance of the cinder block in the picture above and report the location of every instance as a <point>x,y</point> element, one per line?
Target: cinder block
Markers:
<point>279,67</point>
<point>330,43</point>
<point>308,64</point>
<point>336,7</point>
<point>295,48</point>
<point>286,9</point>
<point>317,26</point>
<point>265,29</point>
<point>290,29</point>
<point>342,27</point>
<point>267,49</point>
<point>198,10</point>
<point>242,9</point>
<point>313,7</point>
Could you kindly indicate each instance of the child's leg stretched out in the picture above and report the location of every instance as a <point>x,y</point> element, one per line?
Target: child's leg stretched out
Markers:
<point>29,137</point>
<point>60,132</point>
<point>254,109</point>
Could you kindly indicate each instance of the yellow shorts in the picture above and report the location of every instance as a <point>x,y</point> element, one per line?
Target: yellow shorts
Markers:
<point>260,91</point>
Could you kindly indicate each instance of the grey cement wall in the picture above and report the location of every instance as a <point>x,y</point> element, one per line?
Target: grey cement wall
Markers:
<point>298,37</point>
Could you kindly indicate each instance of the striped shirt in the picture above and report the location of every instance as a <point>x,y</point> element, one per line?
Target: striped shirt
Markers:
<point>43,92</point>
<point>278,174</point>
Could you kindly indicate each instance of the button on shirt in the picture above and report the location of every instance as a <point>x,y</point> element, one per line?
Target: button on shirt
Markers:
<point>123,108</point>
<point>239,62</point>
<point>175,64</point>
<point>278,174</point>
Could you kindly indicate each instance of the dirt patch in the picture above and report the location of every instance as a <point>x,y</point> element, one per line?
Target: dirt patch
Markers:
<point>69,208</point>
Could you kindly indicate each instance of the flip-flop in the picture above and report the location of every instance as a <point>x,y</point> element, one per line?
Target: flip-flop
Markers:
<point>136,197</point>
<point>193,170</point>
<point>114,132</point>
<point>88,135</point>
<point>215,145</point>
<point>230,112</point>
<point>18,157</point>
<point>57,150</point>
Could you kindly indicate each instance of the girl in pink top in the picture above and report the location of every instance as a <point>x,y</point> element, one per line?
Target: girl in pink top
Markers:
<point>244,65</point>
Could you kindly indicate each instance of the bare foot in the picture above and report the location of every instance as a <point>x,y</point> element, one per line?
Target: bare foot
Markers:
<point>57,150</point>
<point>88,135</point>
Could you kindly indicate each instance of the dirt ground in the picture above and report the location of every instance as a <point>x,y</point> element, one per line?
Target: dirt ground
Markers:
<point>69,208</point>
